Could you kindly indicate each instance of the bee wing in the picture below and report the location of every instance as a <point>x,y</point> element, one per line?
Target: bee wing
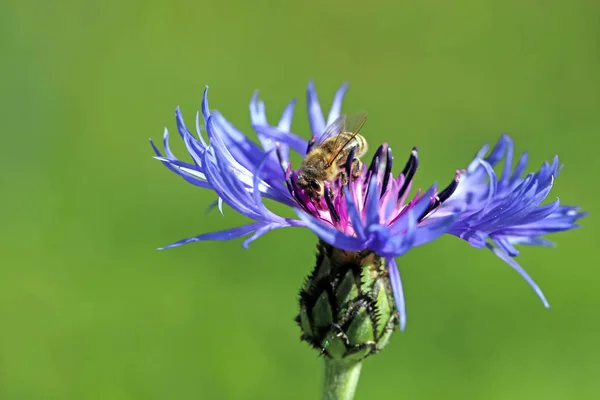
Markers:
<point>352,124</point>
<point>335,128</point>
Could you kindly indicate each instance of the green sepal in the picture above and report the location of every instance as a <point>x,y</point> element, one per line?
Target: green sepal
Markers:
<point>322,314</point>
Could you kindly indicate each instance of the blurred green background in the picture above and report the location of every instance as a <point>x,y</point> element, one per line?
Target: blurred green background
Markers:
<point>90,310</point>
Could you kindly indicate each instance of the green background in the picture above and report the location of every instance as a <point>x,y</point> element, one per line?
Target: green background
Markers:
<point>90,310</point>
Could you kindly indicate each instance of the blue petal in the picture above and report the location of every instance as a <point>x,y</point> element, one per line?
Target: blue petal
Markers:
<point>315,115</point>
<point>519,169</point>
<point>411,232</point>
<point>389,244</point>
<point>532,241</point>
<point>330,234</point>
<point>227,234</point>
<point>199,130</point>
<point>506,246</point>
<point>372,203</point>
<point>354,216</point>
<point>285,122</point>
<point>508,159</point>
<point>260,232</point>
<point>336,106</point>
<point>401,224</point>
<point>503,256</point>
<point>181,128</point>
<point>258,117</point>
<point>436,228</point>
<point>260,207</point>
<point>398,291</point>
<point>166,163</point>
<point>286,138</point>
<point>166,144</point>
<point>558,221</point>
<point>217,203</point>
<point>188,177</point>
<point>238,176</point>
<point>257,110</point>
<point>219,171</point>
<point>246,152</point>
<point>205,109</point>
<point>498,151</point>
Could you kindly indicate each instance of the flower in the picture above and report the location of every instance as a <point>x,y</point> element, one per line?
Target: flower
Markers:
<point>370,209</point>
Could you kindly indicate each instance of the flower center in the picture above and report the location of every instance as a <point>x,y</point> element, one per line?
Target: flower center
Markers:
<point>329,194</point>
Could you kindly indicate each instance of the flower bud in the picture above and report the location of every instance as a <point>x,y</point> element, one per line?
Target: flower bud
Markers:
<point>347,308</point>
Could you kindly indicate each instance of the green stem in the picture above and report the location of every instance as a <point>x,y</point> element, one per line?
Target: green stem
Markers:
<point>340,379</point>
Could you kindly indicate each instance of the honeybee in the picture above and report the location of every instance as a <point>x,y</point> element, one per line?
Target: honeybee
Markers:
<point>327,158</point>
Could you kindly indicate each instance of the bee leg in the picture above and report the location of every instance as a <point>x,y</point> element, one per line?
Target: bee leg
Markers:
<point>356,168</point>
<point>344,177</point>
<point>354,171</point>
<point>346,169</point>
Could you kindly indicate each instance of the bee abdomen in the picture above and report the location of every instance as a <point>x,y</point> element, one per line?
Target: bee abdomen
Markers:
<point>358,142</point>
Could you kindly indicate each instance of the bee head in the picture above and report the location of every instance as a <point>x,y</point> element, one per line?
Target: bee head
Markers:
<point>310,185</point>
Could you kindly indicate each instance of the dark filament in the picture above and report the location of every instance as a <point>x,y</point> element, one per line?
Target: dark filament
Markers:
<point>349,162</point>
<point>409,170</point>
<point>441,197</point>
<point>289,182</point>
<point>388,171</point>
<point>329,201</point>
<point>292,188</point>
<point>374,166</point>
<point>285,166</point>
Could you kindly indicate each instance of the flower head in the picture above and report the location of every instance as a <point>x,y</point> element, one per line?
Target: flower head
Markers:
<point>365,207</point>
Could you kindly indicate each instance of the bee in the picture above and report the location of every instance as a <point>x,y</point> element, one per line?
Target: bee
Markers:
<point>326,158</point>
